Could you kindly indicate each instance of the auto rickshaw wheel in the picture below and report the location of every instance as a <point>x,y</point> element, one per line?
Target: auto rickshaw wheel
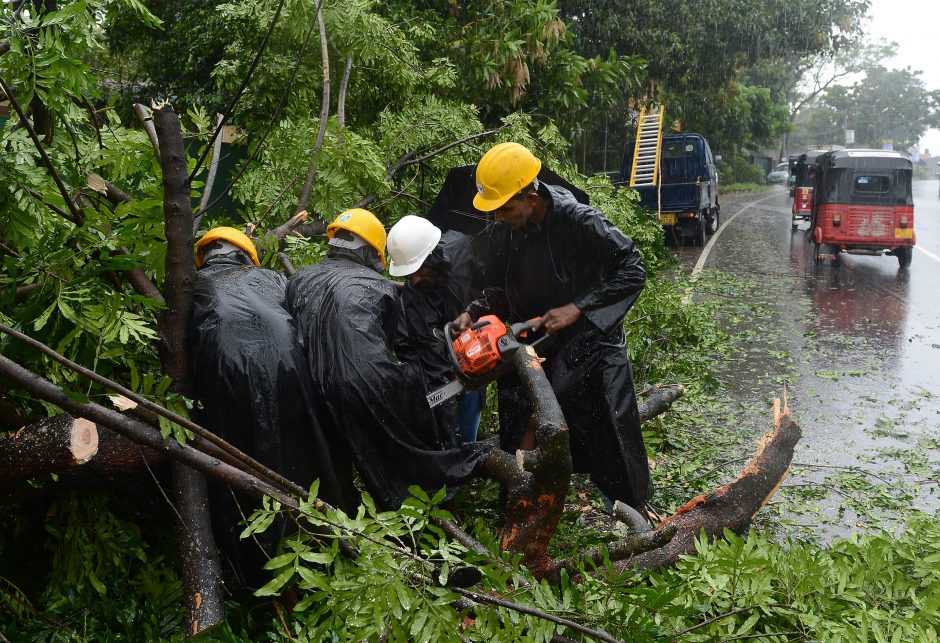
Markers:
<point>904,255</point>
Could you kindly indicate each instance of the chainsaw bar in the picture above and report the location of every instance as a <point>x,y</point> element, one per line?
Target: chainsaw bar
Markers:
<point>459,385</point>
<point>446,392</point>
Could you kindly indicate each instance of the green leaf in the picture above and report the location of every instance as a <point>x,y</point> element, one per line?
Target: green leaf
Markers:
<point>274,586</point>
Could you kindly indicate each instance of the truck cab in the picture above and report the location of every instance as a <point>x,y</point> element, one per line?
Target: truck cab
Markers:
<point>687,196</point>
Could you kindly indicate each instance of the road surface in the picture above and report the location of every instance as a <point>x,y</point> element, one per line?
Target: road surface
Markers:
<point>856,344</point>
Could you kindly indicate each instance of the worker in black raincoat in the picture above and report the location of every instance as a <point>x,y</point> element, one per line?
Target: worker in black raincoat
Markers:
<point>347,314</point>
<point>440,271</point>
<point>564,261</point>
<point>252,379</point>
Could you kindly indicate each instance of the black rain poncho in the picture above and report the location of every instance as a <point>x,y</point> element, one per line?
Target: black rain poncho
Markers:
<point>347,315</point>
<point>252,380</point>
<point>424,309</point>
<point>575,256</point>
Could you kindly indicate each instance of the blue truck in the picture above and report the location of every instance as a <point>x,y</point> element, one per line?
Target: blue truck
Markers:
<point>687,196</point>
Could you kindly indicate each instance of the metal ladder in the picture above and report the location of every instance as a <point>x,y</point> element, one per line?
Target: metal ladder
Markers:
<point>645,169</point>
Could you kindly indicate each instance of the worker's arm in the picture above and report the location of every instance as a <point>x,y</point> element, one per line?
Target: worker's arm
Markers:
<point>624,276</point>
<point>491,302</point>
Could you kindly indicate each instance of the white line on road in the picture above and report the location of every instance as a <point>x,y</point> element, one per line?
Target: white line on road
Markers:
<point>928,253</point>
<point>708,247</point>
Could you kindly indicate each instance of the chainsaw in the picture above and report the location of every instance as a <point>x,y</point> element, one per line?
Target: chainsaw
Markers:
<point>480,354</point>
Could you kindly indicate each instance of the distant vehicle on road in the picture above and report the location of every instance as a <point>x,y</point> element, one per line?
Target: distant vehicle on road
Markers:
<point>862,204</point>
<point>779,174</point>
<point>687,197</point>
<point>802,168</point>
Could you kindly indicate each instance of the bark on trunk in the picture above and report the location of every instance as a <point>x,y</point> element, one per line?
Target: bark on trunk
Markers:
<point>141,433</point>
<point>179,267</point>
<point>201,568</point>
<point>534,503</point>
<point>732,506</point>
<point>146,120</point>
<point>51,446</point>
<point>50,455</point>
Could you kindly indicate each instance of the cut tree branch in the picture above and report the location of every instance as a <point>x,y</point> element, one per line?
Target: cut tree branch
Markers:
<point>734,505</point>
<point>535,503</point>
<point>210,180</point>
<point>51,446</point>
<point>146,120</point>
<point>235,454</point>
<point>43,457</point>
<point>324,115</point>
<point>658,399</point>
<point>341,100</point>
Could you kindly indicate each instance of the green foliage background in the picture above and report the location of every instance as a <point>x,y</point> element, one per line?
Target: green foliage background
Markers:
<point>559,78</point>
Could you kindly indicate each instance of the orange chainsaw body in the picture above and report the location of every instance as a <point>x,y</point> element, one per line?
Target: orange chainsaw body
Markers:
<point>477,348</point>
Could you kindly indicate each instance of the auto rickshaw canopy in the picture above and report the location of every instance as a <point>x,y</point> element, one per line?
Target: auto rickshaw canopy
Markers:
<point>878,177</point>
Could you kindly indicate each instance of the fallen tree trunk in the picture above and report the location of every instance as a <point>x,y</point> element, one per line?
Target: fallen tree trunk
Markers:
<point>51,446</point>
<point>535,498</point>
<point>75,450</point>
<point>732,506</point>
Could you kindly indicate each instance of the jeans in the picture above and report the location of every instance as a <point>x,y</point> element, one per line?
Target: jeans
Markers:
<point>469,410</point>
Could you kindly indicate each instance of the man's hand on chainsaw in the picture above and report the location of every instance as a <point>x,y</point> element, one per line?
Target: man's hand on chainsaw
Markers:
<point>462,322</point>
<point>559,318</point>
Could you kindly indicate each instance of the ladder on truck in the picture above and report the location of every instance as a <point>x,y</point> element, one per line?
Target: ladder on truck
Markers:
<point>649,130</point>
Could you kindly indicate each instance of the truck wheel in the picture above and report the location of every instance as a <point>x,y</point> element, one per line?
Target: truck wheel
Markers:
<point>714,220</point>
<point>904,256</point>
<point>700,232</point>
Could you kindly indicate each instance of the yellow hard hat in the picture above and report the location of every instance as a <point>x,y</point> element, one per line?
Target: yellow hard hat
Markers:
<point>233,236</point>
<point>363,223</point>
<point>502,173</point>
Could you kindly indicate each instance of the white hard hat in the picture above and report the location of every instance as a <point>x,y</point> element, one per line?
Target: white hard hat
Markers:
<point>410,241</point>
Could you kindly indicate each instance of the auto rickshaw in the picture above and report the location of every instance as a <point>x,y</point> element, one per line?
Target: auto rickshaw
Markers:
<point>802,169</point>
<point>862,204</point>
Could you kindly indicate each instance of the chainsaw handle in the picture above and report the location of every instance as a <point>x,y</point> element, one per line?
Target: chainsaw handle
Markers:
<point>449,348</point>
<point>520,329</point>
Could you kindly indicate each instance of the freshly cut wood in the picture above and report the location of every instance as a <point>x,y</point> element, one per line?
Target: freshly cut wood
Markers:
<point>535,497</point>
<point>63,452</point>
<point>732,506</point>
<point>50,446</point>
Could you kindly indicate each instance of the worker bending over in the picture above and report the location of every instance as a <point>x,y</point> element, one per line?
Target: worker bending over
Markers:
<point>252,380</point>
<point>347,315</point>
<point>553,257</point>
<point>440,271</point>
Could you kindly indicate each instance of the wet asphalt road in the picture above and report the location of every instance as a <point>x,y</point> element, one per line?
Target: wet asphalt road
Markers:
<point>857,345</point>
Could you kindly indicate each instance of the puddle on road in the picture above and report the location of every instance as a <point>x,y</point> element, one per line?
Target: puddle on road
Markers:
<point>857,346</point>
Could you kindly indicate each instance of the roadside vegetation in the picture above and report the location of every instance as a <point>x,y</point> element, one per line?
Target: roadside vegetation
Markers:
<point>405,81</point>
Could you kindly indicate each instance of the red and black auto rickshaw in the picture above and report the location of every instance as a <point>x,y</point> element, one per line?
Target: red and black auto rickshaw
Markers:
<point>802,169</point>
<point>862,204</point>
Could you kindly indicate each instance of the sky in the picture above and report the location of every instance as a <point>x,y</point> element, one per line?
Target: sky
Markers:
<point>915,26</point>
